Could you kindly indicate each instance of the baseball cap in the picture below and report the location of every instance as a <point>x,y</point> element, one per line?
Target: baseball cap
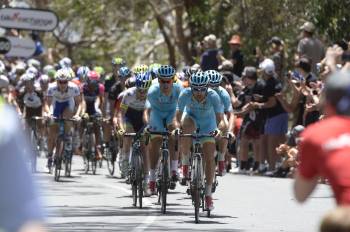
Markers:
<point>268,66</point>
<point>226,66</point>
<point>308,26</point>
<point>235,39</point>
<point>337,91</point>
<point>210,38</point>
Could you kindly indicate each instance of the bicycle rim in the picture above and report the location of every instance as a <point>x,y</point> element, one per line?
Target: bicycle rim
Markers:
<point>134,193</point>
<point>58,166</point>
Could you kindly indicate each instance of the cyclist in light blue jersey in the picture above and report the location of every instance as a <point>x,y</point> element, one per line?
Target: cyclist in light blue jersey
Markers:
<point>200,107</point>
<point>161,104</point>
<point>227,125</point>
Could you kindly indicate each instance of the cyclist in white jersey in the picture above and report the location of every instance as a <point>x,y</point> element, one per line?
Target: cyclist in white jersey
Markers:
<point>63,101</point>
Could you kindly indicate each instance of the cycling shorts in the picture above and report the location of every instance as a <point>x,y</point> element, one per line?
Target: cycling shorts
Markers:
<point>205,126</point>
<point>156,120</point>
<point>59,107</point>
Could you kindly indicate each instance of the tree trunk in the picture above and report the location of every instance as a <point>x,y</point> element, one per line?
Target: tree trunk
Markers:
<point>182,41</point>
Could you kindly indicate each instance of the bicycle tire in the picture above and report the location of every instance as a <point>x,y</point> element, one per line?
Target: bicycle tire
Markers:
<point>196,189</point>
<point>93,166</point>
<point>33,161</point>
<point>134,193</point>
<point>164,185</point>
<point>68,165</point>
<point>110,162</point>
<point>139,178</point>
<point>58,159</point>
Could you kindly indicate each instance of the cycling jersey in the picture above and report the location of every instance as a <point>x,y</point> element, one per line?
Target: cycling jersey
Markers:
<point>202,113</point>
<point>133,108</point>
<point>32,102</point>
<point>90,96</point>
<point>225,98</point>
<point>113,88</point>
<point>61,100</point>
<point>162,106</point>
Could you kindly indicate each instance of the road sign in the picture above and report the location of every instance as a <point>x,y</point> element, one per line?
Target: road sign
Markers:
<point>21,47</point>
<point>5,45</point>
<point>28,19</point>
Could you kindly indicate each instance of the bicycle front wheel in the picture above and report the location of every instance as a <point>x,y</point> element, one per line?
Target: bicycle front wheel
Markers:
<point>164,184</point>
<point>196,187</point>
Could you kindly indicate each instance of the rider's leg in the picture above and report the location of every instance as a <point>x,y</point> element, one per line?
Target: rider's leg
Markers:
<point>174,156</point>
<point>208,152</point>
<point>222,144</point>
<point>188,126</point>
<point>125,154</point>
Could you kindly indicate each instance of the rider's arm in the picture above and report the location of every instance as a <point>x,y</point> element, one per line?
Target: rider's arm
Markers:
<point>77,108</point>
<point>177,118</point>
<point>231,121</point>
<point>48,102</point>
<point>83,106</point>
<point>146,114</point>
<point>219,118</point>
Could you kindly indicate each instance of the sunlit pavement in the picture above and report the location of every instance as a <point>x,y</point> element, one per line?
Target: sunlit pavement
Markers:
<point>86,202</point>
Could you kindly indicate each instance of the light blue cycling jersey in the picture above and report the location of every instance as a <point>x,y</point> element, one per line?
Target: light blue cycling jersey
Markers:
<point>225,98</point>
<point>162,106</point>
<point>202,113</point>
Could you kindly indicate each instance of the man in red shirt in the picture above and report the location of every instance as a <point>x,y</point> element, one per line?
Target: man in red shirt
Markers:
<point>325,149</point>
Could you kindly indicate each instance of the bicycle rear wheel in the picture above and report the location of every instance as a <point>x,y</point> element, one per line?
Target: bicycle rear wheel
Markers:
<point>58,159</point>
<point>139,178</point>
<point>33,161</point>
<point>68,165</point>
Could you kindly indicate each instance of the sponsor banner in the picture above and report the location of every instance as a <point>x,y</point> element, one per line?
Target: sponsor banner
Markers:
<point>28,19</point>
<point>21,47</point>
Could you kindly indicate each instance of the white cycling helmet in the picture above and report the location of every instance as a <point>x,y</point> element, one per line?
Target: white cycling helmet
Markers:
<point>65,62</point>
<point>63,74</point>
<point>4,81</point>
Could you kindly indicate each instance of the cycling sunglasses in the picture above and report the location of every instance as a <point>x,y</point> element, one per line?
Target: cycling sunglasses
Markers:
<point>63,82</point>
<point>165,81</point>
<point>199,89</point>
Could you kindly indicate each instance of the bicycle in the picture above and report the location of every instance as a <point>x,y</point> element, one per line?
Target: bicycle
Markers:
<point>35,142</point>
<point>163,181</point>
<point>197,179</point>
<point>136,175</point>
<point>111,151</point>
<point>63,151</point>
<point>89,143</point>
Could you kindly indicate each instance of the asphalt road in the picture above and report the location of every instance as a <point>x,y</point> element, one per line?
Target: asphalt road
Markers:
<point>86,202</point>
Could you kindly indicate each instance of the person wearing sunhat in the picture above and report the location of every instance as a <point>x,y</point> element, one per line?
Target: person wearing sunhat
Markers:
<point>237,57</point>
<point>310,46</point>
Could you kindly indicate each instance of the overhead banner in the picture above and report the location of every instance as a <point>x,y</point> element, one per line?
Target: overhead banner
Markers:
<point>28,19</point>
<point>21,47</point>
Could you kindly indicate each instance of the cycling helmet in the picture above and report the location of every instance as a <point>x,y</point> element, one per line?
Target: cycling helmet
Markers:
<point>141,68</point>
<point>118,61</point>
<point>124,72</point>
<point>63,74</point>
<point>33,70</point>
<point>215,77</point>
<point>93,76</point>
<point>166,71</point>
<point>34,63</point>
<point>65,62</point>
<point>27,77</point>
<point>51,73</point>
<point>153,68</point>
<point>4,81</point>
<point>199,79</point>
<point>83,71</point>
<point>44,79</point>
<point>47,68</point>
<point>143,80</point>
<point>99,69</point>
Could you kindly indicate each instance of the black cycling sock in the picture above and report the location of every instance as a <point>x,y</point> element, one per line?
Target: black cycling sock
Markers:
<point>256,165</point>
<point>243,165</point>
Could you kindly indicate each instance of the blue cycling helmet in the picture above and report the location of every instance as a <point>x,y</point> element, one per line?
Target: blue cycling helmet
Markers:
<point>199,79</point>
<point>166,71</point>
<point>83,71</point>
<point>215,77</point>
<point>124,71</point>
<point>143,80</point>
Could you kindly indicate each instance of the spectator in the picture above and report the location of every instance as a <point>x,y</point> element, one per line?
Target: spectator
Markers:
<point>324,151</point>
<point>209,59</point>
<point>253,119</point>
<point>337,220</point>
<point>19,206</point>
<point>276,125</point>
<point>310,46</point>
<point>237,58</point>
